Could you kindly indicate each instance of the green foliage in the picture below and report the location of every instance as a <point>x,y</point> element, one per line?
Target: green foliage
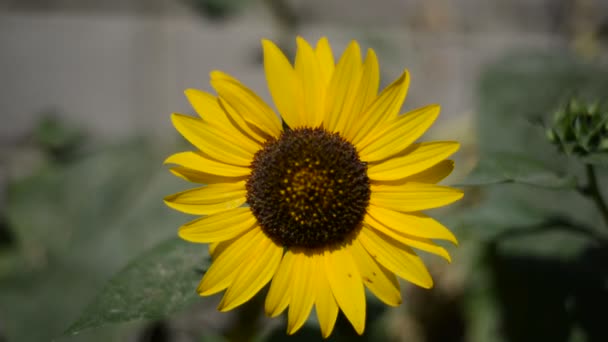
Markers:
<point>580,129</point>
<point>512,168</point>
<point>158,283</point>
<point>542,245</point>
<point>74,225</point>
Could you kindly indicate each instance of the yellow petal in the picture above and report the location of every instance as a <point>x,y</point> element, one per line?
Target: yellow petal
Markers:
<point>253,274</point>
<point>366,94</point>
<point>417,158</point>
<point>279,293</point>
<point>212,248</point>
<point>396,257</point>
<point>342,89</point>
<point>252,108</point>
<point>218,227</point>
<point>413,196</point>
<point>283,85</point>
<point>432,175</point>
<point>414,224</point>
<point>313,87</point>
<point>395,136</point>
<point>325,303</point>
<point>213,142</point>
<point>384,108</point>
<point>224,266</point>
<point>326,59</point>
<point>378,279</point>
<point>346,285</point>
<point>196,176</point>
<point>216,248</point>
<point>210,199</point>
<point>302,291</point>
<point>412,241</point>
<point>199,162</point>
<point>208,108</point>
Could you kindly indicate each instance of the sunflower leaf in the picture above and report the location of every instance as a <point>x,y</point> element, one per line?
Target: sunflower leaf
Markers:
<point>514,168</point>
<point>159,282</point>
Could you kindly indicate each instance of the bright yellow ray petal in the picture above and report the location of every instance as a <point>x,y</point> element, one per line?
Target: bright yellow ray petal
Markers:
<point>409,240</point>
<point>302,292</point>
<point>208,108</point>
<point>210,199</point>
<point>313,87</point>
<point>215,143</point>
<point>396,257</point>
<point>251,107</point>
<point>417,158</point>
<point>326,59</point>
<point>413,196</point>
<point>216,248</point>
<point>397,135</point>
<point>366,94</point>
<point>432,175</point>
<point>253,274</point>
<point>279,293</point>
<point>196,176</point>
<point>342,90</point>
<point>380,281</point>
<point>384,108</point>
<point>283,85</point>
<point>198,162</point>
<point>346,285</point>
<point>414,224</point>
<point>218,227</point>
<point>212,248</point>
<point>244,127</point>
<point>325,303</point>
<point>222,271</point>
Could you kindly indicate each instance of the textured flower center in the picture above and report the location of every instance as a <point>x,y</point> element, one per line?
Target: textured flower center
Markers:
<point>308,188</point>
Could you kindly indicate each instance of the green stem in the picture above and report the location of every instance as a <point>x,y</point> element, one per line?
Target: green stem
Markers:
<point>593,191</point>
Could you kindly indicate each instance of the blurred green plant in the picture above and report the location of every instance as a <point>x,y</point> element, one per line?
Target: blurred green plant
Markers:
<point>580,129</point>
<point>543,236</point>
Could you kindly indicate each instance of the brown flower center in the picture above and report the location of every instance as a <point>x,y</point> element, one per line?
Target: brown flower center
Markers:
<point>308,188</point>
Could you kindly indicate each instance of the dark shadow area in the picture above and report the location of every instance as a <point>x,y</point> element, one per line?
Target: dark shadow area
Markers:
<point>545,299</point>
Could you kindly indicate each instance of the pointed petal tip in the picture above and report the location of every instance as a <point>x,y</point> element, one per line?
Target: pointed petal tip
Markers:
<point>203,290</point>
<point>428,284</point>
<point>184,235</point>
<point>292,329</point>
<point>323,39</point>
<point>222,307</point>
<point>227,305</point>
<point>269,44</point>
<point>168,160</point>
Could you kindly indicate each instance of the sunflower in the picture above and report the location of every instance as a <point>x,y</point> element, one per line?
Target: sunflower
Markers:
<point>321,202</point>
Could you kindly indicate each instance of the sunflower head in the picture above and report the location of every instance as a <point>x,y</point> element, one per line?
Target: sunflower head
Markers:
<point>321,200</point>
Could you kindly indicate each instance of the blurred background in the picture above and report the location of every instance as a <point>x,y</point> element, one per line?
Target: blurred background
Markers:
<point>88,87</point>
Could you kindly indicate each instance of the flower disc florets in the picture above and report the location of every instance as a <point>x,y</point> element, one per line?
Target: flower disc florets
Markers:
<point>308,188</point>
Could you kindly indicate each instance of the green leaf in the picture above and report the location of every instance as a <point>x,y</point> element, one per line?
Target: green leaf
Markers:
<point>76,224</point>
<point>503,167</point>
<point>159,282</point>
